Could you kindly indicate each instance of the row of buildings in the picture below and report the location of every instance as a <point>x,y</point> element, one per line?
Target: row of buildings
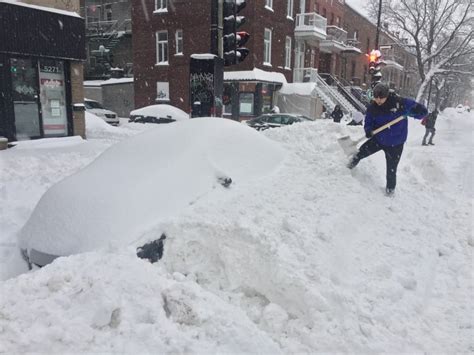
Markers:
<point>46,43</point>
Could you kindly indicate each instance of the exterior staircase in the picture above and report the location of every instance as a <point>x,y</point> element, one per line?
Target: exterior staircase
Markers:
<point>328,94</point>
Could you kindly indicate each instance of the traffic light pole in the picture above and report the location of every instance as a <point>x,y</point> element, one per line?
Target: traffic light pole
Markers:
<point>216,27</point>
<point>379,15</point>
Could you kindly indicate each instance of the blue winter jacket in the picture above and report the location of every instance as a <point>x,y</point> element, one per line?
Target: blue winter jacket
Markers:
<point>395,106</point>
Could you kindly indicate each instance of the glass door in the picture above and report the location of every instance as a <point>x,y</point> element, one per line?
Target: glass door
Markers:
<point>53,97</point>
<point>25,98</point>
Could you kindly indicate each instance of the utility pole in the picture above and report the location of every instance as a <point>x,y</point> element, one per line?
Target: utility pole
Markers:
<point>216,27</point>
<point>379,15</point>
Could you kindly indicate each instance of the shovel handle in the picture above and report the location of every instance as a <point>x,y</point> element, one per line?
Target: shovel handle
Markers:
<point>387,125</point>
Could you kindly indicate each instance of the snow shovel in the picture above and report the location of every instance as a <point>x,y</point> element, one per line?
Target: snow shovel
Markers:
<point>350,147</point>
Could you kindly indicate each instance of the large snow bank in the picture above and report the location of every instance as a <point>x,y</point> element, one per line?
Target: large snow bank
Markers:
<point>143,180</point>
<point>313,258</point>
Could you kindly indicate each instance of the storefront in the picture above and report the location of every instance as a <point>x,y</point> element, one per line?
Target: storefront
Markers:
<point>39,48</point>
<point>248,94</point>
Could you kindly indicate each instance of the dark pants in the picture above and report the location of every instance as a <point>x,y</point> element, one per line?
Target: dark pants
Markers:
<point>392,157</point>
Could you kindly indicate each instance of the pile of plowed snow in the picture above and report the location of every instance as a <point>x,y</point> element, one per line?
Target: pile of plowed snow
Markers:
<point>310,258</point>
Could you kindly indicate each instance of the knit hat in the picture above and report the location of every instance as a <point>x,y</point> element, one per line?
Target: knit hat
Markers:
<point>381,90</point>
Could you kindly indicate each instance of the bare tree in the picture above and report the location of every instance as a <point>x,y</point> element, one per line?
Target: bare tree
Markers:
<point>441,33</point>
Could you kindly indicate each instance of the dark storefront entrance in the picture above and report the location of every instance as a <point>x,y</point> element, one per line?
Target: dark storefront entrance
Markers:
<point>36,48</point>
<point>39,97</point>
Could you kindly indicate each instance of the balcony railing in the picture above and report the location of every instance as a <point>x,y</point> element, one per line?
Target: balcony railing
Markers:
<point>336,34</point>
<point>108,27</point>
<point>353,46</point>
<point>310,26</point>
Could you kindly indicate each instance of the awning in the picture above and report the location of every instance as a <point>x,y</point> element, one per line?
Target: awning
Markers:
<point>255,75</point>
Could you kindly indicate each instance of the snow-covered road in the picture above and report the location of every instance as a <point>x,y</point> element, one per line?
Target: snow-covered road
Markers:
<point>311,258</point>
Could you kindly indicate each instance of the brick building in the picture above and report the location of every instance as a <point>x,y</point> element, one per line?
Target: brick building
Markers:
<point>164,39</point>
<point>291,40</point>
<point>399,70</point>
<point>41,66</point>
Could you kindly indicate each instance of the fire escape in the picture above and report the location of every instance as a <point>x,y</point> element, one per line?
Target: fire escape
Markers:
<point>312,30</point>
<point>103,37</point>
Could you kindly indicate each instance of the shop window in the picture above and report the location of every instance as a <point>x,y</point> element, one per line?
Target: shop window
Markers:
<point>25,98</point>
<point>227,99</point>
<point>267,94</point>
<point>246,103</point>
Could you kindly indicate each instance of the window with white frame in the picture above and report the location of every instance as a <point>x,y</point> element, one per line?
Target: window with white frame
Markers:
<point>288,52</point>
<point>267,47</point>
<point>161,5</point>
<point>162,47</point>
<point>269,4</point>
<point>179,41</point>
<point>289,9</point>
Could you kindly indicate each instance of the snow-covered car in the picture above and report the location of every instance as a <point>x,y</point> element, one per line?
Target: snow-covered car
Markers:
<point>460,108</point>
<point>140,182</point>
<point>97,109</point>
<point>272,120</point>
<point>161,113</point>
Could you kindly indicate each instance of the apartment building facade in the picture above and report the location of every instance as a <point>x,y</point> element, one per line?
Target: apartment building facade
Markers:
<point>166,36</point>
<point>291,41</point>
<point>41,69</point>
<point>399,69</point>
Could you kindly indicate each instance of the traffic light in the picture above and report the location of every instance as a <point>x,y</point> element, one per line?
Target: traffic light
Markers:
<point>233,40</point>
<point>375,62</point>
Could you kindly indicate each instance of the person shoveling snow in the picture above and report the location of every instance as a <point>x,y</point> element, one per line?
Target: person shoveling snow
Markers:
<point>387,130</point>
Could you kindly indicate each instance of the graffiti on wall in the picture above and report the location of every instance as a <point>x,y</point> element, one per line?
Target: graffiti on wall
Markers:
<point>202,87</point>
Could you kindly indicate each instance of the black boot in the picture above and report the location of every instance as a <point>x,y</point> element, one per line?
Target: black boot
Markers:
<point>352,163</point>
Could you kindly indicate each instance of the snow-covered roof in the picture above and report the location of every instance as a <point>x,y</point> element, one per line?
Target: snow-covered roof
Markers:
<point>255,75</point>
<point>108,82</point>
<point>303,89</point>
<point>393,64</point>
<point>203,56</point>
<point>42,8</point>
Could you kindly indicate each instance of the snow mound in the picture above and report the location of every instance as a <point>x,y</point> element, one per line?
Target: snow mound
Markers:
<point>70,305</point>
<point>144,179</point>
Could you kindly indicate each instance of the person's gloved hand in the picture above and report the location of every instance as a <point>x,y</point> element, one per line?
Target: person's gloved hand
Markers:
<point>417,110</point>
<point>368,134</point>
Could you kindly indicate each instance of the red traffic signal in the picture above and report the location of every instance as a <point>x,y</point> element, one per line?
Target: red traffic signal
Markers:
<point>233,41</point>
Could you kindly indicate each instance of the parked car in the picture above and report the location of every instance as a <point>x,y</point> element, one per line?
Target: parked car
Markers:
<point>272,120</point>
<point>461,108</point>
<point>97,109</point>
<point>141,182</point>
<point>161,113</point>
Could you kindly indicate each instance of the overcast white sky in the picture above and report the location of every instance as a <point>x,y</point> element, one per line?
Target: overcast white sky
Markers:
<point>359,5</point>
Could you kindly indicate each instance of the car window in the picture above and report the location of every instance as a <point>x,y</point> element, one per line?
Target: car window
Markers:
<point>92,104</point>
<point>286,120</point>
<point>258,119</point>
<point>274,119</point>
